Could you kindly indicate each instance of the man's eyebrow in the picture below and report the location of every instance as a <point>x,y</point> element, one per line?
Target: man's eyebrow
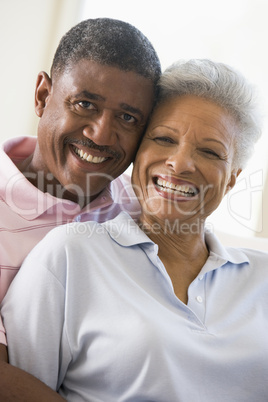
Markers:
<point>89,95</point>
<point>131,109</point>
<point>124,106</point>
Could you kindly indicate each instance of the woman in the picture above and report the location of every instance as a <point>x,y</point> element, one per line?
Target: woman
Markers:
<point>196,146</point>
<point>155,310</point>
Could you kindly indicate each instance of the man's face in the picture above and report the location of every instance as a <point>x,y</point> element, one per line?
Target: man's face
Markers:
<point>92,119</point>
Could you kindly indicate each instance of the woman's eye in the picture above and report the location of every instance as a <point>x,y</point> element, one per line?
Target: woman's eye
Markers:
<point>164,140</point>
<point>211,153</point>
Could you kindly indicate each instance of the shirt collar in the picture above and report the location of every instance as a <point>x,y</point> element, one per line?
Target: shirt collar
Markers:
<point>124,231</point>
<point>127,233</point>
<point>220,255</point>
<point>16,191</point>
<point>233,255</point>
<point>115,192</point>
<point>119,192</point>
<point>29,202</point>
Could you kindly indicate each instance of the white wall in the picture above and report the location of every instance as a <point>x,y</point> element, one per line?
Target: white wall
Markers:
<point>30,31</point>
<point>232,31</point>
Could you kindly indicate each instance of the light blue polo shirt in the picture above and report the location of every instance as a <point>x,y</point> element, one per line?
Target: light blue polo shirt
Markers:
<point>97,319</point>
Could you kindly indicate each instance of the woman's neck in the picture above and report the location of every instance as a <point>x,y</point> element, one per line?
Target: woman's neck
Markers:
<point>183,253</point>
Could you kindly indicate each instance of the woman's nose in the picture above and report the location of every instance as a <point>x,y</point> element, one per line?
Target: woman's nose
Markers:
<point>181,161</point>
<point>101,130</point>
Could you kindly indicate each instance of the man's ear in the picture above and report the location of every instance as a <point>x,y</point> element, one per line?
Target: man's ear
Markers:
<point>42,91</point>
<point>232,181</point>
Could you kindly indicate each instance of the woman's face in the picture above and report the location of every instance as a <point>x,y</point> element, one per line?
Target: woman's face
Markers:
<point>183,168</point>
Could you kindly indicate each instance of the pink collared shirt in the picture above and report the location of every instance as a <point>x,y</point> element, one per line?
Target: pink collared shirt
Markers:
<point>27,214</point>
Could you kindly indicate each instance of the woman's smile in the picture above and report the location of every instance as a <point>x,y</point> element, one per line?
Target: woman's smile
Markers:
<point>184,165</point>
<point>177,190</point>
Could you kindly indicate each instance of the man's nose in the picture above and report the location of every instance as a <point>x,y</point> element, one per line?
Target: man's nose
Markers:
<point>101,129</point>
<point>181,161</point>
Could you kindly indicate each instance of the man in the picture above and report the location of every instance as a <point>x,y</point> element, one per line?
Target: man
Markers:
<point>93,110</point>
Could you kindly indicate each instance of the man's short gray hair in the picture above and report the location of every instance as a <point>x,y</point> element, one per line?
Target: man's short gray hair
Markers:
<point>224,86</point>
<point>108,42</point>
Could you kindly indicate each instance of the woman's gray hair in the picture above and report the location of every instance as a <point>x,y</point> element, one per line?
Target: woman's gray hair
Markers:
<point>224,86</point>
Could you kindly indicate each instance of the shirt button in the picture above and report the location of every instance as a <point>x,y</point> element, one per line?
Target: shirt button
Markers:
<point>201,277</point>
<point>78,218</point>
<point>199,299</point>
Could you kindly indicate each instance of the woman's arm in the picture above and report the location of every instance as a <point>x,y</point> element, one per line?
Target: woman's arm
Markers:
<point>18,386</point>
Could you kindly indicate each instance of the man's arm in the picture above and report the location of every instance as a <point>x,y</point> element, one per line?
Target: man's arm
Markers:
<point>3,353</point>
<point>18,386</point>
<point>37,346</point>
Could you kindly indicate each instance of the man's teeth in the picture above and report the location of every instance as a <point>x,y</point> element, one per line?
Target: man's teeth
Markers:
<point>89,158</point>
<point>186,190</point>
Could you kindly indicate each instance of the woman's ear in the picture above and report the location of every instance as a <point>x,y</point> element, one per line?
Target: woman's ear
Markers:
<point>42,92</point>
<point>232,181</point>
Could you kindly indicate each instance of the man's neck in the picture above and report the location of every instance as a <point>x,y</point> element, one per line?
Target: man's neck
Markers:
<point>48,184</point>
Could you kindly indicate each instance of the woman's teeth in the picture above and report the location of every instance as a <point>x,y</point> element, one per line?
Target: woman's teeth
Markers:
<point>89,158</point>
<point>185,190</point>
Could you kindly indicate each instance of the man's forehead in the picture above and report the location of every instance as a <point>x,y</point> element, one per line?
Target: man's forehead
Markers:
<point>88,66</point>
<point>96,81</point>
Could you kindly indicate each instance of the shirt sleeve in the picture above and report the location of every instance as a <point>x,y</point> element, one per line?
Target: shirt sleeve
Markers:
<point>33,314</point>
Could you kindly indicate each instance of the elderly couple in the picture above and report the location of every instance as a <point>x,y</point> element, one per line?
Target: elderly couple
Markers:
<point>137,307</point>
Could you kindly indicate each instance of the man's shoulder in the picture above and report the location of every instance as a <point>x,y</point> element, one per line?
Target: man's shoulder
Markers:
<point>19,147</point>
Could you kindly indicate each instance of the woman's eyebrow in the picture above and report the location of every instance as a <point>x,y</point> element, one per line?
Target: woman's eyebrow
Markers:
<point>215,140</point>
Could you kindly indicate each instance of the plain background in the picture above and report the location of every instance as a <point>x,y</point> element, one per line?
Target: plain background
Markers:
<point>230,31</point>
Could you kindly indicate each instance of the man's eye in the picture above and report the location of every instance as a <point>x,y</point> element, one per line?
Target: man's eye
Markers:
<point>86,105</point>
<point>128,118</point>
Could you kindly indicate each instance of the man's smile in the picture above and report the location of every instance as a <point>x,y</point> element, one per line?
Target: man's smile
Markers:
<point>87,157</point>
<point>91,146</point>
